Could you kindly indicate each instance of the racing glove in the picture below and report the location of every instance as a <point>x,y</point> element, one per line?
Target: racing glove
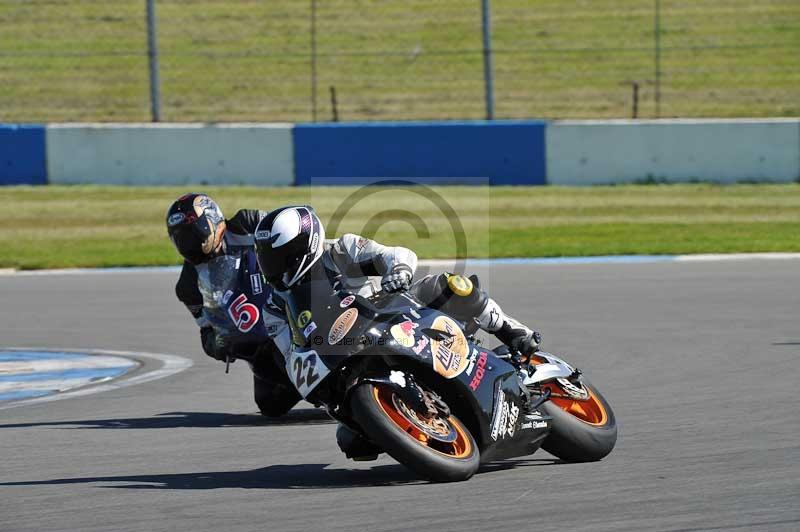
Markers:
<point>398,279</point>
<point>215,345</point>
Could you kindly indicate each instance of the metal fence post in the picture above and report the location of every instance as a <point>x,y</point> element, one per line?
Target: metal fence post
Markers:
<point>152,56</point>
<point>487,57</point>
<point>313,60</point>
<point>657,31</point>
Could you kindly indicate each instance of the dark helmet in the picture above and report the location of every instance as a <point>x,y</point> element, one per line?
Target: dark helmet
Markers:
<point>195,225</point>
<point>289,241</point>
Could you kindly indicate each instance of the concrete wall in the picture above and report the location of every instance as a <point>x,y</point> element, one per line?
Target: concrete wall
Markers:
<point>474,153</point>
<point>624,151</point>
<point>170,154</point>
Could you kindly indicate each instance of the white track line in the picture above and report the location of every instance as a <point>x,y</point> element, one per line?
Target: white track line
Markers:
<point>54,386</point>
<point>24,367</point>
<point>85,271</point>
<point>171,364</point>
<point>714,257</point>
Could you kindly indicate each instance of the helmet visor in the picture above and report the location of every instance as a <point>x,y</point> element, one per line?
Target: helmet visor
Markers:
<point>277,263</point>
<point>189,239</point>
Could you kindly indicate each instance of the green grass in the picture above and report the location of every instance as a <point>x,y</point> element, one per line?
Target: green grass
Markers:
<point>56,226</point>
<point>234,60</point>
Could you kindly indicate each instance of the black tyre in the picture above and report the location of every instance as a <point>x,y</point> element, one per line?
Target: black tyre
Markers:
<point>582,430</point>
<point>420,445</point>
<point>274,399</point>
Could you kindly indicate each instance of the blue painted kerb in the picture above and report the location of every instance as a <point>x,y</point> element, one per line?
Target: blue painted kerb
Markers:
<point>468,153</point>
<point>23,159</point>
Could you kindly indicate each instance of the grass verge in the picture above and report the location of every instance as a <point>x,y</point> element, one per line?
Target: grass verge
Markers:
<point>250,60</point>
<point>83,226</point>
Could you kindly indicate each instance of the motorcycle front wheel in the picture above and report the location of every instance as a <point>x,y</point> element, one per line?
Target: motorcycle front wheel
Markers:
<point>439,449</point>
<point>583,430</point>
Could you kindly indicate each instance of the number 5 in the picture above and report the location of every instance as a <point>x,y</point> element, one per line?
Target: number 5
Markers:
<point>244,315</point>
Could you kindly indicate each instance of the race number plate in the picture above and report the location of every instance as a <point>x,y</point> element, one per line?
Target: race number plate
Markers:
<point>306,370</point>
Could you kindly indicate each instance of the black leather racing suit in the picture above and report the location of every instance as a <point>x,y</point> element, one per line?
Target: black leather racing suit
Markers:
<point>359,263</point>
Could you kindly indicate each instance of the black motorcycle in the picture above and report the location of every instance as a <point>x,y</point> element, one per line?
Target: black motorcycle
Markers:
<point>415,383</point>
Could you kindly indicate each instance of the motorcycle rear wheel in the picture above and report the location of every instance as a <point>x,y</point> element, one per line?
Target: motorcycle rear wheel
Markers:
<point>412,443</point>
<point>582,430</point>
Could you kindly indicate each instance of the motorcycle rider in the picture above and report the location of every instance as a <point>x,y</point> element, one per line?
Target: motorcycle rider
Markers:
<point>290,244</point>
<point>291,247</point>
<point>204,238</point>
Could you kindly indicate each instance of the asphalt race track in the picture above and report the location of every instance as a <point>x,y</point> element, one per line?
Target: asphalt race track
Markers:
<point>700,361</point>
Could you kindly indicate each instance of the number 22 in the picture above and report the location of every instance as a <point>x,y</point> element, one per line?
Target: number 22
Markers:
<point>306,365</point>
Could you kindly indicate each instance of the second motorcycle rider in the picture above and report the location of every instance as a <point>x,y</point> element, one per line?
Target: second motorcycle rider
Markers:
<point>222,288</point>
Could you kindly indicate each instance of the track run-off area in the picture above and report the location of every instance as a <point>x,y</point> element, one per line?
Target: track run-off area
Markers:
<point>700,360</point>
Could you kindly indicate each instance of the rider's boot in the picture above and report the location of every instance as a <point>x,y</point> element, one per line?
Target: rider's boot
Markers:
<point>462,298</point>
<point>511,332</point>
<point>355,446</point>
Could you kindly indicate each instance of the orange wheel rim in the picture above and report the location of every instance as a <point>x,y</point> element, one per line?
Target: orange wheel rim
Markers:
<point>590,411</point>
<point>460,447</point>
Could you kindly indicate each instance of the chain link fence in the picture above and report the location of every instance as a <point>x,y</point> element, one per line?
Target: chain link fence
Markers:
<point>302,60</point>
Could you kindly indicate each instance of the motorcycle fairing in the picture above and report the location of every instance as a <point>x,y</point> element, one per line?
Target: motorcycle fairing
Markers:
<point>306,370</point>
<point>401,325</point>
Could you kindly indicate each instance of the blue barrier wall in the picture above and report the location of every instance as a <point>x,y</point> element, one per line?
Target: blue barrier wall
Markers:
<point>464,153</point>
<point>22,155</point>
<point>458,153</point>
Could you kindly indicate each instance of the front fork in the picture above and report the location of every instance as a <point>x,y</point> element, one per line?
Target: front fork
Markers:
<point>534,375</point>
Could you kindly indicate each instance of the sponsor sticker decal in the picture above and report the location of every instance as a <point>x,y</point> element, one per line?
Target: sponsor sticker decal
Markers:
<point>528,425</point>
<point>450,356</point>
<point>175,219</point>
<point>534,420</point>
<point>403,333</point>
<point>342,325</point>
<point>304,318</point>
<point>500,414</point>
<point>255,283</point>
<point>398,377</point>
<point>473,356</point>
<point>263,234</point>
<point>504,420</point>
<point>347,301</point>
<point>226,297</point>
<point>310,328</point>
<point>422,344</point>
<point>480,372</point>
<point>513,415</point>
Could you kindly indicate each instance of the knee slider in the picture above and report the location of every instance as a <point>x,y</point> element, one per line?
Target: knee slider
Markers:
<point>463,298</point>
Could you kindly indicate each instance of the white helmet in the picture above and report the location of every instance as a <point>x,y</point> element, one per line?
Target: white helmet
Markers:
<point>289,241</point>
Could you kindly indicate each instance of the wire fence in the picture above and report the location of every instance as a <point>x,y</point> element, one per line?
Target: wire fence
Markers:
<point>301,60</point>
